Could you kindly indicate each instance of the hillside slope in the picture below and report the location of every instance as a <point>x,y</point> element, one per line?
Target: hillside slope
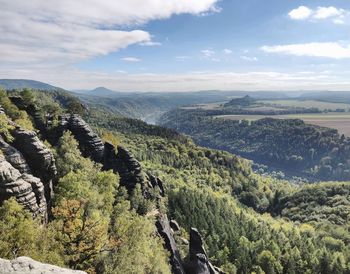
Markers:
<point>290,145</point>
<point>108,199</point>
<point>10,84</point>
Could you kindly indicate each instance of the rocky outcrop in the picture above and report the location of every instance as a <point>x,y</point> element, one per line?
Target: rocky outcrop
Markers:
<point>199,263</point>
<point>25,265</point>
<point>157,182</point>
<point>110,161</point>
<point>89,143</point>
<point>165,232</point>
<point>14,157</point>
<point>174,225</point>
<point>129,169</point>
<point>38,157</point>
<point>27,189</point>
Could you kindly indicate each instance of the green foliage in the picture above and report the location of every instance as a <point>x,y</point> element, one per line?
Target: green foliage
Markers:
<point>250,241</point>
<point>23,236</point>
<point>68,156</point>
<point>288,144</point>
<point>139,203</point>
<point>98,227</point>
<point>18,116</point>
<point>75,107</point>
<point>27,96</point>
<point>82,233</point>
<point>5,128</point>
<point>318,203</point>
<point>137,249</point>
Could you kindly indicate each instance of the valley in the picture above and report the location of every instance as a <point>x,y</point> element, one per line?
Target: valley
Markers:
<point>174,137</point>
<point>152,174</point>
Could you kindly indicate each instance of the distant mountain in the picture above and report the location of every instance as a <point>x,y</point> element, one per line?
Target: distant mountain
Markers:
<point>328,96</point>
<point>101,92</point>
<point>23,83</point>
<point>105,92</point>
<point>243,101</point>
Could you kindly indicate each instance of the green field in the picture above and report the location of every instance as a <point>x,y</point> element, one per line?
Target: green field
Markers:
<point>307,104</point>
<point>339,121</point>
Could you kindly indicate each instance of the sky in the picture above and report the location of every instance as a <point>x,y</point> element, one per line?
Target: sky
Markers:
<point>178,45</point>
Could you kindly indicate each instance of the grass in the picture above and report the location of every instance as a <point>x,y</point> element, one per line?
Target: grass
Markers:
<point>339,121</point>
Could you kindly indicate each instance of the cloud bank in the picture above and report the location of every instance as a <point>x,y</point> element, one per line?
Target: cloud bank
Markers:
<point>67,31</point>
<point>332,50</point>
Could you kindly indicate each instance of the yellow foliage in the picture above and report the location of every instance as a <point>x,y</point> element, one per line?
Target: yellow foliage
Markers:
<point>108,136</point>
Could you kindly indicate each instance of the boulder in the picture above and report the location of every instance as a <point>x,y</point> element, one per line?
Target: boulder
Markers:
<point>25,265</point>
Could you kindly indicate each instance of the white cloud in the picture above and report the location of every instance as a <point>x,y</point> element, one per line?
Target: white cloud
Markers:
<point>208,53</point>
<point>329,50</point>
<point>327,12</point>
<point>320,13</point>
<point>249,58</point>
<point>300,13</point>
<point>131,59</point>
<point>150,44</point>
<point>64,32</point>
<point>227,51</point>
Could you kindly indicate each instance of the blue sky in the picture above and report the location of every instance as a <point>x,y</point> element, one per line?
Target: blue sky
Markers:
<point>168,45</point>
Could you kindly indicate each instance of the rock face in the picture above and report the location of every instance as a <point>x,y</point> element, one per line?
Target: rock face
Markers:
<point>89,143</point>
<point>25,265</point>
<point>129,169</point>
<point>16,177</point>
<point>199,263</point>
<point>39,158</point>
<point>164,230</point>
<point>27,189</point>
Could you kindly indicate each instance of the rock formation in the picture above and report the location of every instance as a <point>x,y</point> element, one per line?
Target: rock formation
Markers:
<point>90,144</point>
<point>27,189</point>
<point>39,158</point>
<point>16,176</point>
<point>199,263</point>
<point>164,230</point>
<point>129,169</point>
<point>25,265</point>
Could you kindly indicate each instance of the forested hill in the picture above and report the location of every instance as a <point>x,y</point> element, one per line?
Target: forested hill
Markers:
<point>10,84</point>
<point>116,181</point>
<point>289,144</point>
